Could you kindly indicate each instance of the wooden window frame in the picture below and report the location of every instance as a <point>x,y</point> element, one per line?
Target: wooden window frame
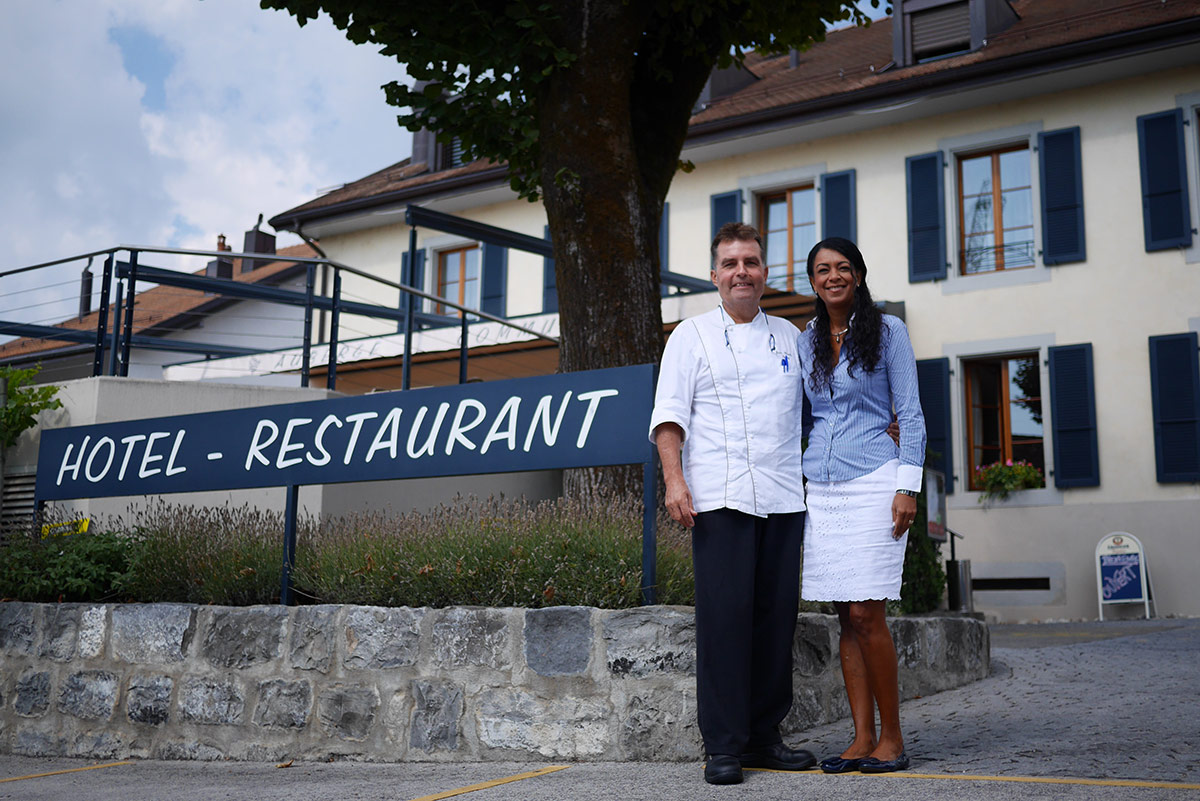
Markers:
<point>997,208</point>
<point>764,201</point>
<point>1003,412</point>
<point>441,282</point>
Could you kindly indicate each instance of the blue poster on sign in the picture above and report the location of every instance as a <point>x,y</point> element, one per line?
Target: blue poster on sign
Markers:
<point>585,419</point>
<point>1121,577</point>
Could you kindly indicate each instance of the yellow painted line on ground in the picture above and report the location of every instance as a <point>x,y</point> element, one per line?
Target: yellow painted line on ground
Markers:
<point>60,772</point>
<point>1046,780</point>
<point>966,777</point>
<point>493,783</point>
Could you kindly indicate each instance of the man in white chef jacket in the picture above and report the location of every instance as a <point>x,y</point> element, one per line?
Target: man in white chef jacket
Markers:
<point>726,422</point>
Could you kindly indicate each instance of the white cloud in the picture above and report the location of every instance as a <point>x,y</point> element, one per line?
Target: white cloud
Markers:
<point>258,115</point>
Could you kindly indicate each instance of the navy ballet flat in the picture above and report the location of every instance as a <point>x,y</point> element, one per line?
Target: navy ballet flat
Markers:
<point>873,765</point>
<point>840,764</point>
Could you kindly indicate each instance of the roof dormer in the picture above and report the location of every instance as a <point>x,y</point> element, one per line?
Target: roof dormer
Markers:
<point>923,30</point>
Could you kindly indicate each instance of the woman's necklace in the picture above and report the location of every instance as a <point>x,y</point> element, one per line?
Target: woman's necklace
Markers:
<point>837,335</point>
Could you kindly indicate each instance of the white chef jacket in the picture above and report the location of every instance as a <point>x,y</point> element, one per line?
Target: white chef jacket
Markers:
<point>735,391</point>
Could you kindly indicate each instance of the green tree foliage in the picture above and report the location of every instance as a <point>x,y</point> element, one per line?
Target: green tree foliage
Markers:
<point>588,103</point>
<point>24,402</point>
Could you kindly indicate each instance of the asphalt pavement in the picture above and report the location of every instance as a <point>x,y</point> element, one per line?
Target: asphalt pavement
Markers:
<point>1070,711</point>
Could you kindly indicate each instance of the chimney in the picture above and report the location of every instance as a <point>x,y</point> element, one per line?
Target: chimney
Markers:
<point>220,267</point>
<point>85,290</point>
<point>257,242</point>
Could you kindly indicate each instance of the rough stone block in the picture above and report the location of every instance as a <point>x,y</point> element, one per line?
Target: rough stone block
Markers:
<point>906,633</point>
<point>558,640</point>
<point>348,712</point>
<point>966,643</point>
<point>148,699</point>
<point>18,627</point>
<point>808,708</point>
<point>213,702</point>
<point>241,637</point>
<point>152,634</point>
<point>812,649</point>
<point>382,638</point>
<point>660,725</point>
<point>33,694</point>
<point>283,704</point>
<point>200,752</point>
<point>642,642</point>
<point>31,742</point>
<point>98,745</point>
<point>516,720</point>
<point>60,631</point>
<point>471,637</point>
<point>312,642</point>
<point>89,695</point>
<point>438,708</point>
<point>92,625</point>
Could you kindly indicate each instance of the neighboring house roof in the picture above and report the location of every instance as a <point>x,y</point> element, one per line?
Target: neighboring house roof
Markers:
<point>162,310</point>
<point>852,61</point>
<point>851,66</point>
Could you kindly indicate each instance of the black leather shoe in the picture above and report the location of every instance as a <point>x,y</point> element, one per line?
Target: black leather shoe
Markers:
<point>778,757</point>
<point>723,769</point>
<point>839,764</point>
<point>873,765</point>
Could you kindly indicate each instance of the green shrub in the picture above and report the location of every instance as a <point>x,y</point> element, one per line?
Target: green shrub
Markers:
<point>491,553</point>
<point>86,566</point>
<point>227,555</point>
<point>924,578</point>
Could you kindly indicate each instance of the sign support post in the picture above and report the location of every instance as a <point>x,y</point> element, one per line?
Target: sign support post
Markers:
<point>289,543</point>
<point>649,531</point>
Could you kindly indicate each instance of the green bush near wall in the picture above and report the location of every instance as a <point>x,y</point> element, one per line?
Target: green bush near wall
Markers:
<point>469,553</point>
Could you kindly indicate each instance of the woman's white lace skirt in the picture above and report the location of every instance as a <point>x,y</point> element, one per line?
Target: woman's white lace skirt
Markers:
<point>849,553</point>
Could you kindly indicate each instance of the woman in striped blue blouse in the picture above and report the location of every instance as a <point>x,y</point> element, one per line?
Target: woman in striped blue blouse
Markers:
<point>858,370</point>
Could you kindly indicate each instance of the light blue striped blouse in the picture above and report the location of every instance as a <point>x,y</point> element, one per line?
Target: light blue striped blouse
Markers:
<point>847,428</point>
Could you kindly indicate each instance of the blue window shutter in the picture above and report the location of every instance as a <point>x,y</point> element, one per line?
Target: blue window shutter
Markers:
<point>1175,393</point>
<point>1073,407</point>
<point>838,205</point>
<point>726,207</point>
<point>549,281</point>
<point>926,217</point>
<point>664,246</point>
<point>1061,167</point>
<point>494,288</point>
<point>414,278</point>
<point>1166,216</point>
<point>933,384</point>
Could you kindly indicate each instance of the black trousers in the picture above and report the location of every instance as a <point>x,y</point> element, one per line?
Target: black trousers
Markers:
<point>747,590</point>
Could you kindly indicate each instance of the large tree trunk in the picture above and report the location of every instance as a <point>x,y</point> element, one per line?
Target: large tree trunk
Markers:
<point>609,308</point>
<point>608,156</point>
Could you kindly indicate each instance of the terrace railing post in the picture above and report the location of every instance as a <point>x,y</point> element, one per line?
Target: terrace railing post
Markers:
<point>306,362</point>
<point>102,317</point>
<point>114,355</point>
<point>649,530</point>
<point>410,308</point>
<point>129,301</point>
<point>462,351</point>
<point>334,317</point>
<point>289,543</point>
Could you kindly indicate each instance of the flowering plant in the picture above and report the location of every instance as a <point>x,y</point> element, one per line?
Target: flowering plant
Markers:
<point>995,481</point>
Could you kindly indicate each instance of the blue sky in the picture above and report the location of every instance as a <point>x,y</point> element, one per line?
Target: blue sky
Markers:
<point>168,122</point>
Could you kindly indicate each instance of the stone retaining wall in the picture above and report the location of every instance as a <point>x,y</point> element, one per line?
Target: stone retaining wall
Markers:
<point>174,681</point>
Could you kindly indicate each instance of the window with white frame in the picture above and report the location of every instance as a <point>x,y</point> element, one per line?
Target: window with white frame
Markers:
<point>788,225</point>
<point>458,278</point>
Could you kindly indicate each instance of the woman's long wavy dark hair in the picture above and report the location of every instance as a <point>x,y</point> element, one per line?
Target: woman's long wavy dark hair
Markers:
<point>866,321</point>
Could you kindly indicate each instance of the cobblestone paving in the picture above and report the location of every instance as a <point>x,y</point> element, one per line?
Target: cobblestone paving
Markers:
<point>1089,705</point>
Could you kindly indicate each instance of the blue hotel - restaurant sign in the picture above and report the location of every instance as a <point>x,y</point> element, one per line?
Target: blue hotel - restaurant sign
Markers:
<point>584,419</point>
